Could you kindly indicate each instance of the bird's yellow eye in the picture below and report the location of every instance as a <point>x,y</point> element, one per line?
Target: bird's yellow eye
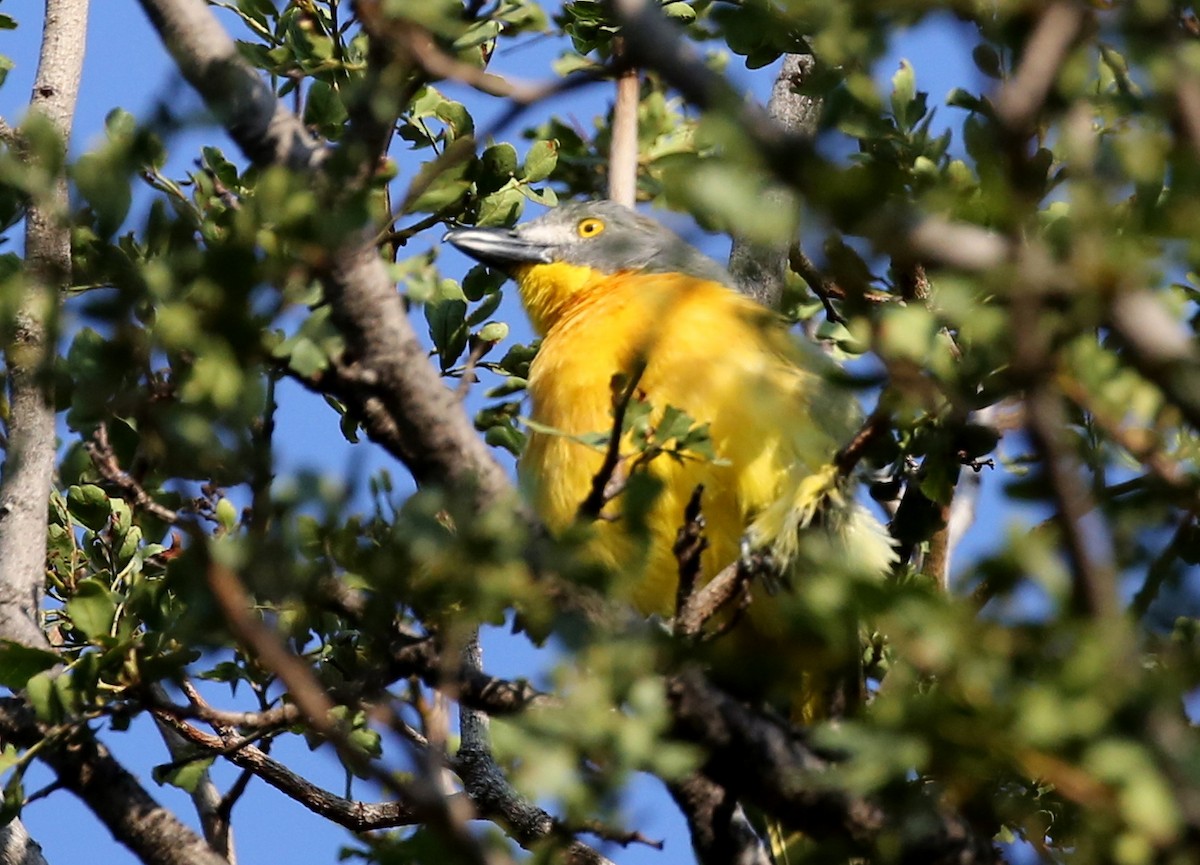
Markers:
<point>590,227</point>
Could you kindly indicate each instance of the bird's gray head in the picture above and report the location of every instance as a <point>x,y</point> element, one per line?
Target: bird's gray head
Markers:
<point>601,235</point>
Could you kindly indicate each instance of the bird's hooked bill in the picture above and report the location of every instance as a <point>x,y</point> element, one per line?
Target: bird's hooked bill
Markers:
<point>497,247</point>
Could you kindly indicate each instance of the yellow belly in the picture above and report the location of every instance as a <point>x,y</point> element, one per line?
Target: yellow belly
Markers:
<point>707,351</point>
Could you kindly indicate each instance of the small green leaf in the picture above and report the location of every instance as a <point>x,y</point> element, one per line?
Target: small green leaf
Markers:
<point>448,329</point>
<point>104,183</point>
<point>493,331</point>
<point>481,280</point>
<point>496,167</point>
<point>501,208</point>
<point>92,608</point>
<point>540,161</point>
<point>987,60</point>
<point>13,800</point>
<point>43,697</point>
<point>89,505</point>
<point>185,777</point>
<point>444,189</point>
<point>325,109</point>
<point>227,515</point>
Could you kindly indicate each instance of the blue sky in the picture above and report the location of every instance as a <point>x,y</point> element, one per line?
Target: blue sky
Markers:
<point>127,67</point>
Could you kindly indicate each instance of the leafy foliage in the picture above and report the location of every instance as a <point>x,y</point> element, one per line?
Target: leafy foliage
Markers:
<point>1010,278</point>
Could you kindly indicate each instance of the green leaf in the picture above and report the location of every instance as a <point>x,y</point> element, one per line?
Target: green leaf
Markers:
<point>43,697</point>
<point>325,109</point>
<point>185,777</point>
<point>448,329</point>
<point>507,437</point>
<point>13,800</point>
<point>89,505</point>
<point>496,167</point>
<point>227,514</point>
<point>457,119</point>
<point>987,61</point>
<point>20,663</point>
<point>481,280</point>
<point>92,608</point>
<point>259,10</point>
<point>104,184</point>
<point>540,161</point>
<point>679,10</point>
<point>482,312</point>
<point>493,331</point>
<point>501,208</point>
<point>444,189</point>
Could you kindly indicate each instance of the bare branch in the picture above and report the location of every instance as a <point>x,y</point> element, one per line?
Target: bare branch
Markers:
<point>412,414</point>
<point>623,153</point>
<point>730,586</point>
<point>1094,588</point>
<point>720,832</point>
<point>489,790</point>
<point>86,768</point>
<point>769,763</point>
<point>607,483</point>
<point>29,457</point>
<point>1021,98</point>
<point>110,470</point>
<point>263,127</point>
<point>757,270</point>
<point>205,797</point>
<point>356,816</point>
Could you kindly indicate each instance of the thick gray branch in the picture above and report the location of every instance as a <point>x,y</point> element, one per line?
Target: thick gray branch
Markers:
<point>29,461</point>
<point>267,132</point>
<point>86,768</point>
<point>771,764</point>
<point>17,847</point>
<point>408,410</point>
<point>758,270</point>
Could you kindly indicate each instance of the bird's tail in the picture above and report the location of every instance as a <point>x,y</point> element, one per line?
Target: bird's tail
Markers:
<point>822,496</point>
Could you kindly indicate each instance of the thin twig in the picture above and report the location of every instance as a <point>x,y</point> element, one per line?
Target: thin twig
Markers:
<point>1094,590</point>
<point>358,816</point>
<point>410,40</point>
<point>1160,568</point>
<point>104,459</point>
<point>602,491</point>
<point>876,425</point>
<point>689,547</point>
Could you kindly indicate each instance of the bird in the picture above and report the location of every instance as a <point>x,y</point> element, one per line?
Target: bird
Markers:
<point>614,293</point>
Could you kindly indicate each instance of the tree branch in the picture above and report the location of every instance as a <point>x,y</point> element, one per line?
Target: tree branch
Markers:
<point>29,357</point>
<point>356,816</point>
<point>28,470</point>
<point>769,763</point>
<point>623,151</point>
<point>417,419</point>
<point>86,768</point>
<point>1021,98</point>
<point>720,832</point>
<point>760,271</point>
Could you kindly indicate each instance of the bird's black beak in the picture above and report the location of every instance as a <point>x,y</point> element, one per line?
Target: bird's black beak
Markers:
<point>497,247</point>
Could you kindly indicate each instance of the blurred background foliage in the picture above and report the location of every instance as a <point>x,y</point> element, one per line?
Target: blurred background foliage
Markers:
<point>1058,725</point>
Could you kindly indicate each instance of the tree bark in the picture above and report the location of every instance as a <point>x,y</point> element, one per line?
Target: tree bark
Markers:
<point>29,460</point>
